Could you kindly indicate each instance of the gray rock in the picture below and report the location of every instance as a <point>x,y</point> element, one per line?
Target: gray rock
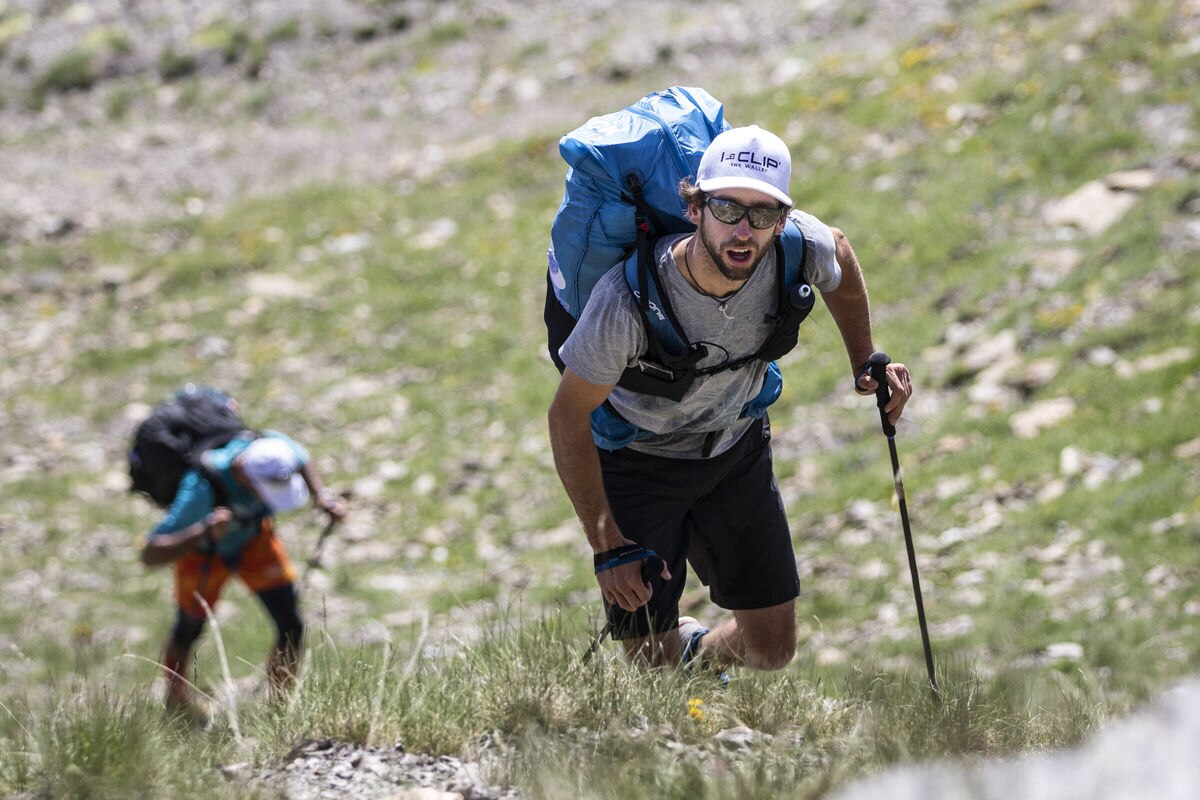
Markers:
<point>1093,208</point>
<point>325,768</point>
<point>1133,180</point>
<point>1029,423</point>
<point>738,738</point>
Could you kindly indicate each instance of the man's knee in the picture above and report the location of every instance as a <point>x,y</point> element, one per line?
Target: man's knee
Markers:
<point>769,638</point>
<point>773,656</point>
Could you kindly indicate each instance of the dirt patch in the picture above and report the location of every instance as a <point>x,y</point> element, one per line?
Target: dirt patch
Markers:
<point>183,107</point>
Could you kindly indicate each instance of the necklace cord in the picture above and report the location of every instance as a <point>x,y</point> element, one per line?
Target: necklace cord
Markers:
<point>723,302</point>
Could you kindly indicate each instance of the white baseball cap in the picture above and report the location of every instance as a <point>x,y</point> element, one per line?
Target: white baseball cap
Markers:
<point>273,469</point>
<point>747,158</point>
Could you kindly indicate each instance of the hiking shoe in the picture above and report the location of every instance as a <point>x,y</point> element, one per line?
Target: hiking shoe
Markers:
<point>690,634</point>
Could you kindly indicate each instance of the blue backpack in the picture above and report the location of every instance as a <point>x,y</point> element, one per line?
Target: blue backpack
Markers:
<point>621,195</point>
<point>658,141</point>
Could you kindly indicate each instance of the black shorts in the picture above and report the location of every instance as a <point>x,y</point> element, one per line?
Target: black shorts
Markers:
<point>723,515</point>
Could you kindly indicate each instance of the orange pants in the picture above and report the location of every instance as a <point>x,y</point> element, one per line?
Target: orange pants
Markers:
<point>264,565</point>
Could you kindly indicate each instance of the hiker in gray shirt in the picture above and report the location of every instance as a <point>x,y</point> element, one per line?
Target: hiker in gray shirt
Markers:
<point>690,480</point>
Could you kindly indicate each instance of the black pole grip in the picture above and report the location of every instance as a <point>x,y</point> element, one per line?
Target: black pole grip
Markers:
<point>652,567</point>
<point>878,365</point>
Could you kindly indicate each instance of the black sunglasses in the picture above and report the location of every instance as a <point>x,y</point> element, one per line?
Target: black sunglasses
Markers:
<point>731,213</point>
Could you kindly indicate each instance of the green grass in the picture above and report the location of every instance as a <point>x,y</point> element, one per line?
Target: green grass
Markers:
<point>543,708</point>
<point>75,69</point>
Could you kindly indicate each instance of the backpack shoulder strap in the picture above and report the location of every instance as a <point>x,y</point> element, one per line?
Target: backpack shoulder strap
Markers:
<point>211,475</point>
<point>792,247</point>
<point>667,368</point>
<point>796,295</point>
<point>666,338</point>
<point>214,480</point>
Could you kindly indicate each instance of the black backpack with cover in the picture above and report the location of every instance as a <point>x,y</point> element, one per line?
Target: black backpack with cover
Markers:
<point>172,439</point>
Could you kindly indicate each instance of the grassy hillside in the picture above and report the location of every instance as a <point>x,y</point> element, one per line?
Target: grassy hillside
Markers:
<point>396,330</point>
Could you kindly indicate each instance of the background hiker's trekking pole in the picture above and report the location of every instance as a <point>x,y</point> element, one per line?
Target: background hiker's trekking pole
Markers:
<point>314,557</point>
<point>878,363</point>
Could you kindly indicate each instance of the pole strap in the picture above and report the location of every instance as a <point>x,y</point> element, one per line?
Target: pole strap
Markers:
<point>625,554</point>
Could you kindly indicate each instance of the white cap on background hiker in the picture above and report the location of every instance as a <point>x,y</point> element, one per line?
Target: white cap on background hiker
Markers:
<point>273,469</point>
<point>747,158</point>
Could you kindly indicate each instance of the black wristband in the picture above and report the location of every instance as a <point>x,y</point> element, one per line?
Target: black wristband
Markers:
<point>624,554</point>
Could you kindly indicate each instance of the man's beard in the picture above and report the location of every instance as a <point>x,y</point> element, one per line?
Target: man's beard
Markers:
<point>736,272</point>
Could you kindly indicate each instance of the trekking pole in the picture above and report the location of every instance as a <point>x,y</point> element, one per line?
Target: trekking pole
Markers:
<point>651,566</point>
<point>600,637</point>
<point>314,556</point>
<point>878,365</point>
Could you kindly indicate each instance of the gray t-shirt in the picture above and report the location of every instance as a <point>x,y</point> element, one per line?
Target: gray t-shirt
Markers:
<point>609,337</point>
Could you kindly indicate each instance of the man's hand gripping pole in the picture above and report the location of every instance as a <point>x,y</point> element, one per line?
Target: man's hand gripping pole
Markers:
<point>652,564</point>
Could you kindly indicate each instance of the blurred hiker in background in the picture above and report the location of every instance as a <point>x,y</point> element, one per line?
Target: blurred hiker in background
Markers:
<point>671,459</point>
<point>220,522</point>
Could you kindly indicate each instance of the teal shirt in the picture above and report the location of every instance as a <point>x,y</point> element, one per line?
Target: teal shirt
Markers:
<point>196,499</point>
